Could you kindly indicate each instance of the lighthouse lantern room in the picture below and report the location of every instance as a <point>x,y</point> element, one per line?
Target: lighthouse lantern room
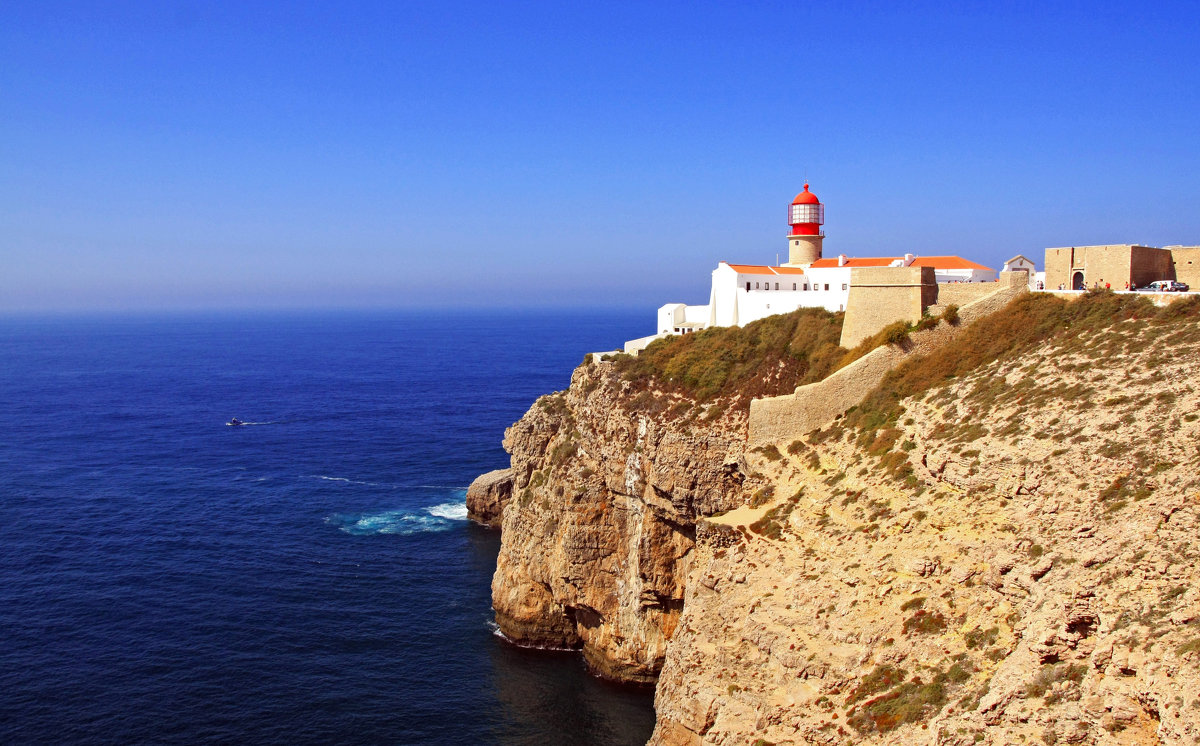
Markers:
<point>805,216</point>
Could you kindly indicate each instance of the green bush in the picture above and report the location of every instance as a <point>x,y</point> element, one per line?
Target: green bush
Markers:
<point>770,452</point>
<point>925,623</point>
<point>1051,674</point>
<point>978,638</point>
<point>911,702</point>
<point>896,334</point>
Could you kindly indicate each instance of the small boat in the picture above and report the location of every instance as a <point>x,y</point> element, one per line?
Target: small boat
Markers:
<point>234,422</point>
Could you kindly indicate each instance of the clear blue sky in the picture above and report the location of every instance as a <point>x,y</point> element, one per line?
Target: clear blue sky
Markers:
<point>187,155</point>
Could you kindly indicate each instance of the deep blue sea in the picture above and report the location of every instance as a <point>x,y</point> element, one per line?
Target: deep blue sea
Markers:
<point>309,578</point>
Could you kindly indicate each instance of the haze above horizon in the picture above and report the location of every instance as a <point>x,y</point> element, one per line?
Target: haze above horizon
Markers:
<point>219,156</point>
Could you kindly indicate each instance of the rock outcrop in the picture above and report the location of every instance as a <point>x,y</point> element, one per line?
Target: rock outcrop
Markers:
<point>487,496</point>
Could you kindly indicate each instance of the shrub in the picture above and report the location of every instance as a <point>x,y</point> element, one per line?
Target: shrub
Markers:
<point>926,322</point>
<point>978,638</point>
<point>772,523</point>
<point>950,315</point>
<point>896,334</point>
<point>770,452</point>
<point>762,497</point>
<point>1191,646</point>
<point>880,679</point>
<point>767,357</point>
<point>1052,673</point>
<point>563,452</point>
<point>911,702</point>
<point>925,623</point>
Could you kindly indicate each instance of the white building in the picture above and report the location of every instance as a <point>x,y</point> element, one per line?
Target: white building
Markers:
<point>742,293</point>
<point>1022,263</point>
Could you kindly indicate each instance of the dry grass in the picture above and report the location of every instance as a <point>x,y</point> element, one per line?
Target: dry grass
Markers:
<point>1029,321</point>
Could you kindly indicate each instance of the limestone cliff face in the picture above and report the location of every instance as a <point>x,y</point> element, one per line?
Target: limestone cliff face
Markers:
<point>1034,580</point>
<point>597,535</point>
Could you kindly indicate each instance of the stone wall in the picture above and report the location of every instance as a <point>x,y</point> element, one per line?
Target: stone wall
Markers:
<point>1147,265</point>
<point>1186,261</point>
<point>1058,268</point>
<point>961,293</point>
<point>779,418</point>
<point>882,295</point>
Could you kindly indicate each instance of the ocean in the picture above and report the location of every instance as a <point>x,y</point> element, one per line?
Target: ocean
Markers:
<point>308,578</point>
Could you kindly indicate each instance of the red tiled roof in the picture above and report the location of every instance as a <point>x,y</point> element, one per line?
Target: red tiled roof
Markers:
<point>947,262</point>
<point>764,269</point>
<point>875,261</point>
<point>937,262</point>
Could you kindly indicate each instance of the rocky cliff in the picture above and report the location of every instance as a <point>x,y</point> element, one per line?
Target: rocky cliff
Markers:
<point>602,518</point>
<point>987,551</point>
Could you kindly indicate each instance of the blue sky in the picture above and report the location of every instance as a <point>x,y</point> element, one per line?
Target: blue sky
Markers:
<point>254,155</point>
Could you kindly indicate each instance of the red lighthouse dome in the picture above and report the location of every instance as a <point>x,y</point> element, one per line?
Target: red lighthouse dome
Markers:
<point>806,214</point>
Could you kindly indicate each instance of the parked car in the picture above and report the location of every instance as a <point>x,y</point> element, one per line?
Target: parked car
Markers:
<point>1167,286</point>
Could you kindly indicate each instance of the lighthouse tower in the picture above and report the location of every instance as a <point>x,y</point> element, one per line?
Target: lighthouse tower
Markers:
<point>806,215</point>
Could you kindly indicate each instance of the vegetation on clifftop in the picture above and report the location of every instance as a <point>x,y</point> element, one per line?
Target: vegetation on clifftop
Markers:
<point>764,358</point>
<point>1031,320</point>
<point>768,357</point>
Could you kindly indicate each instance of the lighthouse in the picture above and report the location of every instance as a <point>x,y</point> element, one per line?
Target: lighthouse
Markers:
<point>806,215</point>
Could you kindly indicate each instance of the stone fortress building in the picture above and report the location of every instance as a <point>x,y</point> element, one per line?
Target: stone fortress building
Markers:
<point>1120,266</point>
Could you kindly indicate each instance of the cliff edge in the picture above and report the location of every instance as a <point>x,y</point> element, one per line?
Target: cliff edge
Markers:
<point>995,546</point>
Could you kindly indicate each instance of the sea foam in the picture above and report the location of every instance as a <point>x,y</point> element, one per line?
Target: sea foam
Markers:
<point>401,522</point>
<point>450,511</point>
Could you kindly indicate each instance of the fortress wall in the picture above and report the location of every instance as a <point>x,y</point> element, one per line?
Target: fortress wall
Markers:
<point>1058,267</point>
<point>779,418</point>
<point>1106,264</point>
<point>1146,265</point>
<point>962,293</point>
<point>882,295</point>
<point>1187,265</point>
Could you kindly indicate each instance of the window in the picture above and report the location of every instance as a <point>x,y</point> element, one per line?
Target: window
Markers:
<point>756,286</point>
<point>747,287</point>
<point>793,286</point>
<point>827,286</point>
<point>777,286</point>
<point>843,286</point>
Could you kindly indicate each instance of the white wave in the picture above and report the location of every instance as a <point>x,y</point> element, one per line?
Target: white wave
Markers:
<point>495,628</point>
<point>451,511</point>
<point>344,479</point>
<point>394,522</point>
